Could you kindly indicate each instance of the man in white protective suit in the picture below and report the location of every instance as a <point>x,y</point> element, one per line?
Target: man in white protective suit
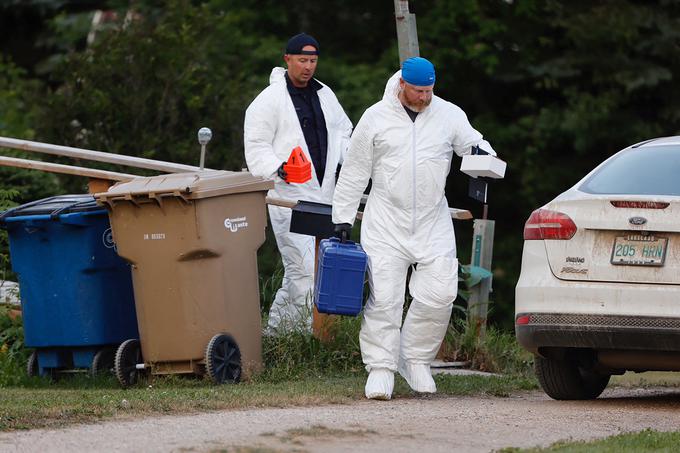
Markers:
<point>295,110</point>
<point>405,144</point>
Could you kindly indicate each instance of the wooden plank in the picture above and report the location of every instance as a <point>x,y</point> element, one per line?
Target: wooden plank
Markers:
<point>281,202</point>
<point>98,156</point>
<point>458,214</point>
<point>322,324</point>
<point>65,169</point>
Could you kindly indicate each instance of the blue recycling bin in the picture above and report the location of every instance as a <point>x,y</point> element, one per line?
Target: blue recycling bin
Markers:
<point>76,292</point>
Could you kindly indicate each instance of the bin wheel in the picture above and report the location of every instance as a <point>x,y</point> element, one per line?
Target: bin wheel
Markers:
<point>128,355</point>
<point>223,360</point>
<point>103,361</point>
<point>32,368</point>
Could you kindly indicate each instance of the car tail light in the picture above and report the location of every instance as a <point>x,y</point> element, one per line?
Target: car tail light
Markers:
<point>523,320</point>
<point>546,224</point>
<point>639,204</point>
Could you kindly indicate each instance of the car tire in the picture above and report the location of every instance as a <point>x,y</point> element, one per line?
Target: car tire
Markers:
<point>565,380</point>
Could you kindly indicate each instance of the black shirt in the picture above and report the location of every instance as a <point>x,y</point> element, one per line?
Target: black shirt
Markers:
<point>312,122</point>
<point>411,113</point>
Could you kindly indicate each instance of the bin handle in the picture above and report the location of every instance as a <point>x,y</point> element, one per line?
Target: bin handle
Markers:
<point>54,214</point>
<point>10,211</point>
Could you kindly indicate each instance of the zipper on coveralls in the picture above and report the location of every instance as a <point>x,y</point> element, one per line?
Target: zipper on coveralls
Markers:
<point>413,208</point>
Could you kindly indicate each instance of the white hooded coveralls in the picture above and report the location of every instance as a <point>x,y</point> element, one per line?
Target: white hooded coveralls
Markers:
<point>271,131</point>
<point>406,221</point>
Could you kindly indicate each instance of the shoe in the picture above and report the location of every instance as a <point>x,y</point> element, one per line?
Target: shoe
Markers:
<point>418,376</point>
<point>380,384</point>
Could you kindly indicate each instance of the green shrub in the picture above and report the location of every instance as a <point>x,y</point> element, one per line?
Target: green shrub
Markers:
<point>13,355</point>
<point>6,196</point>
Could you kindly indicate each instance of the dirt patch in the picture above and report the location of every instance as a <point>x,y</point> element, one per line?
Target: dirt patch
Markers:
<point>434,424</point>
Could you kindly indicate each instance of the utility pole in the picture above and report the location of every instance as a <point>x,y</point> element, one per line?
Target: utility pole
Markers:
<point>407,33</point>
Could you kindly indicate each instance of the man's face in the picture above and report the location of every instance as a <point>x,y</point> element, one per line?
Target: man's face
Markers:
<point>416,98</point>
<point>301,68</point>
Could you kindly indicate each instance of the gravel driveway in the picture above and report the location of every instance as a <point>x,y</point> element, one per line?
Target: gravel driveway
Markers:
<point>426,424</point>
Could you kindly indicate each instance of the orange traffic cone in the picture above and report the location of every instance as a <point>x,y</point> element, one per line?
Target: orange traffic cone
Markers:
<point>298,168</point>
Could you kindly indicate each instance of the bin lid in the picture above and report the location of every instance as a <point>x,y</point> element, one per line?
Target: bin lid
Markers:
<point>190,186</point>
<point>54,206</point>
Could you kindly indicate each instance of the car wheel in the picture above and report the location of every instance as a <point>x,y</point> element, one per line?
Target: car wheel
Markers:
<point>565,380</point>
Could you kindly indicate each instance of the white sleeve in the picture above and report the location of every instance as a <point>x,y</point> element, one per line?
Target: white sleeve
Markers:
<point>259,129</point>
<point>346,130</point>
<point>466,136</point>
<point>341,123</point>
<point>355,173</point>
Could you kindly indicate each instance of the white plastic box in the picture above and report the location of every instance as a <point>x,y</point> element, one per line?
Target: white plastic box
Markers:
<point>487,166</point>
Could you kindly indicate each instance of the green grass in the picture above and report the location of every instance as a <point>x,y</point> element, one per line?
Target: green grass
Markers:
<point>82,399</point>
<point>643,441</point>
<point>501,386</point>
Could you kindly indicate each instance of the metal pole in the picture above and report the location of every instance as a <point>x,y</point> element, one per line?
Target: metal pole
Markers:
<point>204,136</point>
<point>65,169</point>
<point>407,33</point>
<point>98,156</point>
<point>482,252</point>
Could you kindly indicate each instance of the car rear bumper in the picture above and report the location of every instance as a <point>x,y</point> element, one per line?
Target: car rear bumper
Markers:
<point>567,330</point>
<point>539,291</point>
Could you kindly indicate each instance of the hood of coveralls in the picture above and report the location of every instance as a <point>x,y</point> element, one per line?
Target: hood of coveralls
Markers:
<point>391,94</point>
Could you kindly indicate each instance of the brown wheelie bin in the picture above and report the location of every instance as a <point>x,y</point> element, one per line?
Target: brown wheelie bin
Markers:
<point>192,240</point>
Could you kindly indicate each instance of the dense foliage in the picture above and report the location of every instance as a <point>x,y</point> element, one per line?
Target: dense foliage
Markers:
<point>555,86</point>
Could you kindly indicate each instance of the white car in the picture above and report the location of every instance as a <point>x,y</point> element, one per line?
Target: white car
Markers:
<point>599,289</point>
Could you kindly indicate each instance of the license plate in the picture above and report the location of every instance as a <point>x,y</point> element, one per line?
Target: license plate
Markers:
<point>638,250</point>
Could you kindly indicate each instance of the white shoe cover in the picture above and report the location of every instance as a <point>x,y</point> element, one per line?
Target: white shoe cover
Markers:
<point>380,384</point>
<point>418,376</point>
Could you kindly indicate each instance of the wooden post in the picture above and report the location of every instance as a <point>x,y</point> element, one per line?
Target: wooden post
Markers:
<point>321,322</point>
<point>407,33</point>
<point>482,252</point>
<point>95,185</point>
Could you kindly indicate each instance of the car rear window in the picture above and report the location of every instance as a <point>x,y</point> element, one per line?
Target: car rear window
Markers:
<point>648,170</point>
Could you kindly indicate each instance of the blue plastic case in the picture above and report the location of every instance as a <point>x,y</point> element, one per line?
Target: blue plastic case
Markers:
<point>340,277</point>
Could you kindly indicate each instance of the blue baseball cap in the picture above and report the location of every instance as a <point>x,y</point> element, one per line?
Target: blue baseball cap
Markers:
<point>297,42</point>
<point>418,71</point>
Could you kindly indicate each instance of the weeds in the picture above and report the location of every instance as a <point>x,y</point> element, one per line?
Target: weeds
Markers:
<point>269,287</point>
<point>489,350</point>
<point>12,353</point>
<point>6,197</point>
<point>296,354</point>
<point>495,351</point>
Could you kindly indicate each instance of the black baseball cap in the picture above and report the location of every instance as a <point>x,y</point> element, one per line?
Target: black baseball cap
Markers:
<point>297,42</point>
